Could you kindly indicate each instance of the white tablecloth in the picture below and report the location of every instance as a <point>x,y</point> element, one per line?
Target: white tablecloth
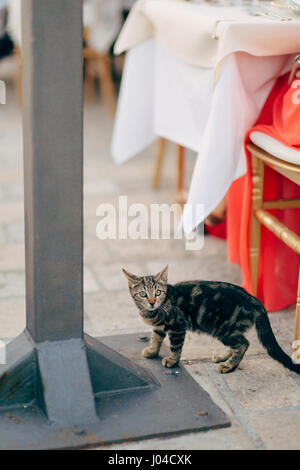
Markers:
<point>188,31</point>
<point>162,95</point>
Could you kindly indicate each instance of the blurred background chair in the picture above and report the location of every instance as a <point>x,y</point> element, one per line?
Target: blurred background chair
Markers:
<point>98,72</point>
<point>180,192</point>
<point>266,150</point>
<point>13,28</point>
<point>102,23</point>
<point>6,42</point>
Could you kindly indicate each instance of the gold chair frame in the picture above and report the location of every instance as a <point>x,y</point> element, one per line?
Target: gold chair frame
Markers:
<point>260,216</point>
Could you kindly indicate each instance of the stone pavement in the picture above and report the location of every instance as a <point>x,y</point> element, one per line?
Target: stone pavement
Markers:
<point>261,397</point>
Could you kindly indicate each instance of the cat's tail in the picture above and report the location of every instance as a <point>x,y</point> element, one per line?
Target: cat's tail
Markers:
<point>268,340</point>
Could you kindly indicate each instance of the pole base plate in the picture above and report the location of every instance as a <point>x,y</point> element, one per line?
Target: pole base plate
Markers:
<point>152,402</point>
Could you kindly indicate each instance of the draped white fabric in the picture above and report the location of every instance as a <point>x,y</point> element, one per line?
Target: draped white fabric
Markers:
<point>162,96</point>
<point>189,31</point>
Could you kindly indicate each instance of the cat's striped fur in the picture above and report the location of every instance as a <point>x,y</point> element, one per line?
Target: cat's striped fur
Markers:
<point>222,310</point>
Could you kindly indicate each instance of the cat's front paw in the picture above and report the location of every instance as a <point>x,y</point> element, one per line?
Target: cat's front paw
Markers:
<point>216,358</point>
<point>222,357</point>
<point>150,352</point>
<point>224,368</point>
<point>169,362</point>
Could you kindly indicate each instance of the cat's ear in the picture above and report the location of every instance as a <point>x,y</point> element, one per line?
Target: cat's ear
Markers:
<point>162,275</point>
<point>131,277</point>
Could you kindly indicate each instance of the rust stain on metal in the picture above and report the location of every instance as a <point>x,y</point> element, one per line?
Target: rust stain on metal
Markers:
<point>14,419</point>
<point>99,443</point>
<point>90,436</point>
<point>202,413</point>
<point>65,434</point>
<point>128,437</point>
<point>79,435</point>
<point>43,385</point>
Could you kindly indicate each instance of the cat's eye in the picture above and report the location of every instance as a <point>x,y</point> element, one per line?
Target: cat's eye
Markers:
<point>143,294</point>
<point>157,293</point>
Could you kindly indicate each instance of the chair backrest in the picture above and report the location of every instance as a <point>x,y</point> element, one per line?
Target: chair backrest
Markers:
<point>289,170</point>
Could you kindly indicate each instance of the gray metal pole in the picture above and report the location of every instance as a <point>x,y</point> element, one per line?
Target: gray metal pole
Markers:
<point>52,110</point>
<point>53,181</point>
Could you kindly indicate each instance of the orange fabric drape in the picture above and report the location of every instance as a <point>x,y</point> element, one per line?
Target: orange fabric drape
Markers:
<point>279,265</point>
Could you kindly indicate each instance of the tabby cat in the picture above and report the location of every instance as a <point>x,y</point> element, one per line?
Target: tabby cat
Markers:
<point>222,310</point>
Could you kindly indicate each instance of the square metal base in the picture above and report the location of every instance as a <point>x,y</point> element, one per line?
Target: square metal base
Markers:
<point>176,404</point>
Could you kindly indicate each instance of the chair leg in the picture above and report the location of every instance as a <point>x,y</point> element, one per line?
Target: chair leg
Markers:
<point>106,84</point>
<point>89,85</point>
<point>159,158</point>
<point>296,343</point>
<point>19,75</point>
<point>179,189</point>
<point>180,167</point>
<point>255,226</point>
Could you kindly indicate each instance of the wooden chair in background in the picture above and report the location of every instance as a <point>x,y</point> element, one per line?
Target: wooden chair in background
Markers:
<point>259,215</point>
<point>180,193</point>
<point>98,67</point>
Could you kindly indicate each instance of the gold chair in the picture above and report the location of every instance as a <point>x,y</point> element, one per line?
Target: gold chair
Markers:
<point>265,150</point>
<point>180,193</point>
